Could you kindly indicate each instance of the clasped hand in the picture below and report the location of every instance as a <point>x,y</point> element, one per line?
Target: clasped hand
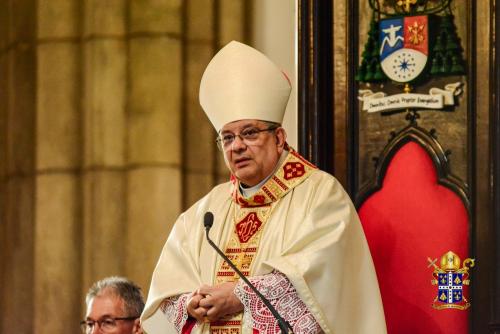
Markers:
<point>213,302</point>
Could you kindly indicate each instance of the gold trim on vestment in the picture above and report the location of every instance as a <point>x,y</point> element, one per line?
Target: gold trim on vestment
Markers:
<point>249,216</point>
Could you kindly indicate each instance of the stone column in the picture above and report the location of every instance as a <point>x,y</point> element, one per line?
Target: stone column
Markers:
<point>17,74</point>
<point>57,203</point>
<point>154,132</point>
<point>199,136</point>
<point>104,127</point>
<point>4,96</point>
<point>102,144</point>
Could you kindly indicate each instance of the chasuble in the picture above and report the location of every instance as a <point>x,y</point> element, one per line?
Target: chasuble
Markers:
<point>300,228</point>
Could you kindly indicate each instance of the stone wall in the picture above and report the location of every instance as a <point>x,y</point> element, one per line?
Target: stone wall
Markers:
<point>102,143</point>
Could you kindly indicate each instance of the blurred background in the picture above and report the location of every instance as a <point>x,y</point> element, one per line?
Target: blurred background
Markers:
<point>102,139</point>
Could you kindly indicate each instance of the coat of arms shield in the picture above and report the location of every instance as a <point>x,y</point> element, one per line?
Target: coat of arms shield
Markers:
<point>404,47</point>
<point>451,279</point>
<point>450,286</point>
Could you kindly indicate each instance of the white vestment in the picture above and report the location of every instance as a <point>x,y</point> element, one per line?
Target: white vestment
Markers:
<point>312,235</point>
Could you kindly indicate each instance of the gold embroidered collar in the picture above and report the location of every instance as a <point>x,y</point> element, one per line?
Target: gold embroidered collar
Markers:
<point>293,171</point>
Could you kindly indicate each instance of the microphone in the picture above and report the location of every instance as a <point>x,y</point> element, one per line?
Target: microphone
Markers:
<point>285,327</point>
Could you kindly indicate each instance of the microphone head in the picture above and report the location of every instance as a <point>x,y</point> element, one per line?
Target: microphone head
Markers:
<point>208,219</point>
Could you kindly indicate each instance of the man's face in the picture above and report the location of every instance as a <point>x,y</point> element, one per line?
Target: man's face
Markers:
<point>253,161</point>
<point>108,306</point>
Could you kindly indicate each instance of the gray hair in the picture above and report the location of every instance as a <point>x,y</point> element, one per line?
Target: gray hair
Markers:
<point>120,287</point>
<point>271,124</point>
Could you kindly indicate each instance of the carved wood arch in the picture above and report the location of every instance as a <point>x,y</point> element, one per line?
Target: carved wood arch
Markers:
<point>428,141</point>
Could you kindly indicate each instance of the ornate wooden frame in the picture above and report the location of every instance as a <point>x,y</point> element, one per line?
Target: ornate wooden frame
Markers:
<point>439,157</point>
<point>316,78</point>
<point>318,83</point>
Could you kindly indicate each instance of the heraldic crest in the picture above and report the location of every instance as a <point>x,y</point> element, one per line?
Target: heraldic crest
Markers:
<point>450,279</point>
<point>410,41</point>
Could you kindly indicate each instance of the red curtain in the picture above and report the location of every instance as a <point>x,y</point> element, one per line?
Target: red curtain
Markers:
<point>410,219</point>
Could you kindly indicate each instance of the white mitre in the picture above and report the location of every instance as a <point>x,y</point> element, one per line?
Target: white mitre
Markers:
<point>242,83</point>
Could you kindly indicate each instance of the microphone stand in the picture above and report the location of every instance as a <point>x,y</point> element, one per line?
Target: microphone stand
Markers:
<point>282,323</point>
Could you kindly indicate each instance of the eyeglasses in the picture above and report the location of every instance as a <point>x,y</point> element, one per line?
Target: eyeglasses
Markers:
<point>107,324</point>
<point>248,136</point>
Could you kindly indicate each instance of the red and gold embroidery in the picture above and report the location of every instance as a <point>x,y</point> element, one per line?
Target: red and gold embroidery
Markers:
<point>250,216</point>
<point>259,199</point>
<point>280,183</point>
<point>246,228</point>
<point>244,241</point>
<point>293,170</point>
<point>249,222</point>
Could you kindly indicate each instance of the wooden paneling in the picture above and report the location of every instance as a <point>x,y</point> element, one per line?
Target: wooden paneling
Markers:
<point>316,82</point>
<point>332,34</point>
<point>495,165</point>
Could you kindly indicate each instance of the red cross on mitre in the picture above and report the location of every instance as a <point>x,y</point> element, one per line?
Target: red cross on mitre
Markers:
<point>293,170</point>
<point>248,226</point>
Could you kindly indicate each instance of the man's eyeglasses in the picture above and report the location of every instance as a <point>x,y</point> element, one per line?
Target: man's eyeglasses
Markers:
<point>107,324</point>
<point>248,136</point>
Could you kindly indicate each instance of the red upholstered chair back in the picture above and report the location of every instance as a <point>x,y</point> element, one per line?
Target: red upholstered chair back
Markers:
<point>410,218</point>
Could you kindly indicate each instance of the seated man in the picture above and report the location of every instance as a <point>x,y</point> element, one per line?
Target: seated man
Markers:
<point>289,227</point>
<point>114,305</point>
